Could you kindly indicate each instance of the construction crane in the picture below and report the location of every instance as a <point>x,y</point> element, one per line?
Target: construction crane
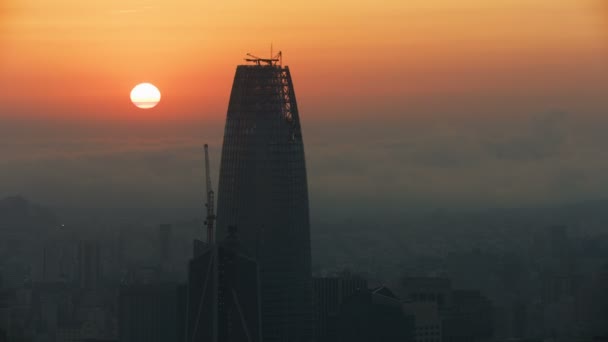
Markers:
<point>210,199</point>
<point>274,60</point>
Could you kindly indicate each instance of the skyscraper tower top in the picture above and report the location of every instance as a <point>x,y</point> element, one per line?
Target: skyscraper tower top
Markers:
<point>276,60</point>
<point>263,190</point>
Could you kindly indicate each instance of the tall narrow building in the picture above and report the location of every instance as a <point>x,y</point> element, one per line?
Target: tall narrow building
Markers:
<point>89,265</point>
<point>263,190</point>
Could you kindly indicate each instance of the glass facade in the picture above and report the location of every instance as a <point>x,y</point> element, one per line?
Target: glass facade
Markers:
<point>263,191</point>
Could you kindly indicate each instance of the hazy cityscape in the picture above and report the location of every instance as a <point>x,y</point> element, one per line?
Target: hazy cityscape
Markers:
<point>152,275</point>
<point>441,175</point>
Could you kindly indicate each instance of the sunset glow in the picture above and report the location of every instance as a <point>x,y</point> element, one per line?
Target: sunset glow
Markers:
<point>67,68</point>
<point>419,50</point>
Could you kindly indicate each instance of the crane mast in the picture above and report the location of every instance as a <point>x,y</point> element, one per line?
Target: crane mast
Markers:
<point>210,199</point>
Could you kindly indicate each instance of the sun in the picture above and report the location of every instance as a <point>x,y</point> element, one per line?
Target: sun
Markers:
<point>145,95</point>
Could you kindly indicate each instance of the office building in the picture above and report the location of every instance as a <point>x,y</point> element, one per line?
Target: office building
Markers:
<point>223,302</point>
<point>263,191</point>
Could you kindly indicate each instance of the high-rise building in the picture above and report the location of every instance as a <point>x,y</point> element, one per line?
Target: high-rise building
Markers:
<point>374,315</point>
<point>222,303</point>
<point>469,318</point>
<point>328,294</point>
<point>89,265</point>
<point>427,320</point>
<point>57,261</point>
<point>263,190</point>
<point>426,289</point>
<point>164,242</point>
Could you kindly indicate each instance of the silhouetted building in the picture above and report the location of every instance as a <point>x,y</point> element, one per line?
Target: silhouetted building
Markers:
<point>426,289</point>
<point>89,265</point>
<point>512,320</point>
<point>556,287</point>
<point>57,261</point>
<point>52,304</point>
<point>69,332</point>
<point>374,315</point>
<point>147,313</point>
<point>427,320</point>
<point>553,250</point>
<point>182,314</point>
<point>223,303</point>
<point>464,315</point>
<point>7,301</point>
<point>164,242</point>
<point>328,294</point>
<point>263,190</point>
<point>15,312</point>
<point>469,318</point>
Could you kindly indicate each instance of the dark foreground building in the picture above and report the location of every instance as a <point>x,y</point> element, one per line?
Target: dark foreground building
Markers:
<point>469,319</point>
<point>374,315</point>
<point>263,191</point>
<point>328,294</point>
<point>223,295</point>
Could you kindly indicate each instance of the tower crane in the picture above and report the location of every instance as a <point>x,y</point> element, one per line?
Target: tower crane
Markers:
<point>210,200</point>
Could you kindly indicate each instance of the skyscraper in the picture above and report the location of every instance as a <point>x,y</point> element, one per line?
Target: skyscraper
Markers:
<point>89,265</point>
<point>263,190</point>
<point>164,242</point>
<point>328,294</point>
<point>223,302</point>
<point>374,315</point>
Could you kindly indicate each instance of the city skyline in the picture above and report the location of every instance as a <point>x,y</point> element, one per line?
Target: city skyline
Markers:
<point>442,176</point>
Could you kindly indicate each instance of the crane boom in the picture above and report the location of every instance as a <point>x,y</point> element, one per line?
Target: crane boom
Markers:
<point>210,199</point>
<point>273,60</point>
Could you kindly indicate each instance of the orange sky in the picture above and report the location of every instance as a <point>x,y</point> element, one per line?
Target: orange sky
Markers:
<point>71,57</point>
<point>478,101</point>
